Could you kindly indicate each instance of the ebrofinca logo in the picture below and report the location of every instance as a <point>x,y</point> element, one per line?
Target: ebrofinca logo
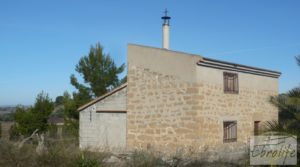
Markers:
<point>273,150</point>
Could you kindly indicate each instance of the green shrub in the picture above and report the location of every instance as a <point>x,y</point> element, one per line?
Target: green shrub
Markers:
<point>7,117</point>
<point>13,133</point>
<point>87,162</point>
<point>71,128</point>
<point>52,130</point>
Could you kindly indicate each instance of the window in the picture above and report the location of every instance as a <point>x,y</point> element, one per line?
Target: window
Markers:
<point>230,131</point>
<point>231,84</point>
<point>256,128</point>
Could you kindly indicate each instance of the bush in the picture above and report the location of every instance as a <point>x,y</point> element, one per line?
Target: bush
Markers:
<point>13,133</point>
<point>71,128</point>
<point>7,117</point>
<point>58,153</point>
<point>52,131</point>
<point>11,156</point>
<point>87,162</point>
<point>63,153</point>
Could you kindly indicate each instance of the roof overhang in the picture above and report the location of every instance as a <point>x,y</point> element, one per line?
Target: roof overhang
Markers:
<point>217,64</point>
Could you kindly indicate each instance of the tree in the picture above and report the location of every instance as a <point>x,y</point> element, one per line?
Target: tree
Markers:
<point>70,107</point>
<point>289,111</point>
<point>35,117</point>
<point>99,73</point>
<point>59,100</point>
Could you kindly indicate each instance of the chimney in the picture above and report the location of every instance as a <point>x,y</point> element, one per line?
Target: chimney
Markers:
<point>166,32</point>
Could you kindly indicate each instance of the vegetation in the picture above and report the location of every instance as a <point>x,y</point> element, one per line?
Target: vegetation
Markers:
<point>289,111</point>
<point>64,153</point>
<point>99,72</point>
<point>59,100</point>
<point>8,109</point>
<point>289,114</point>
<point>7,117</point>
<point>58,153</point>
<point>32,118</point>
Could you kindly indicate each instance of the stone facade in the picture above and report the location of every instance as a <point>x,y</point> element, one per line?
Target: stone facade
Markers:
<point>175,101</point>
<point>171,112</point>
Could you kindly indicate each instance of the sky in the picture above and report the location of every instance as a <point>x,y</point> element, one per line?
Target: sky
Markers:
<point>42,41</point>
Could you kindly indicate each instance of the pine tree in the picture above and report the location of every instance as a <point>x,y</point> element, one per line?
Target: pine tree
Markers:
<point>99,72</point>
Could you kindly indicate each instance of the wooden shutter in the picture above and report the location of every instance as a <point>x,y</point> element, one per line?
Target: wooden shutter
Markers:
<point>230,82</point>
<point>230,131</point>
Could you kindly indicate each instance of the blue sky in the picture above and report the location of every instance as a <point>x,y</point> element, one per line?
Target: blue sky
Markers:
<point>42,41</point>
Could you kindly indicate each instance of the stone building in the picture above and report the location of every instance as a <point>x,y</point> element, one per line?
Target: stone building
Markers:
<point>176,101</point>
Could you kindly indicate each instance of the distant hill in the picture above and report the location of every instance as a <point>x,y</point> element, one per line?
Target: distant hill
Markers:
<point>4,109</point>
<point>7,109</point>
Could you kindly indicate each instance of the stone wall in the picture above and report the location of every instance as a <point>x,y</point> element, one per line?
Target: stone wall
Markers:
<point>169,113</point>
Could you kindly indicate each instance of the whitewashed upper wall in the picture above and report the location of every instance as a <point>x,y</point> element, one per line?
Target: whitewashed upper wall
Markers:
<point>116,101</point>
<point>248,81</point>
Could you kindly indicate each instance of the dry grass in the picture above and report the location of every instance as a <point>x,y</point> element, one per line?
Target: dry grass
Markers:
<point>58,154</point>
<point>65,153</point>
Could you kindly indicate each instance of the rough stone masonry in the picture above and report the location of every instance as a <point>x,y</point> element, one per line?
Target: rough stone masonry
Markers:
<point>173,104</point>
<point>176,102</point>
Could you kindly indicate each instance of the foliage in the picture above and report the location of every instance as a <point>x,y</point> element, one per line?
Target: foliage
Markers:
<point>59,100</point>
<point>99,72</point>
<point>28,120</point>
<point>58,112</point>
<point>0,130</point>
<point>7,117</point>
<point>289,111</point>
<point>14,133</point>
<point>60,153</point>
<point>84,161</point>
<point>64,153</point>
<point>71,128</point>
<point>70,107</point>
<point>11,156</point>
<point>298,60</point>
<point>123,80</point>
<point>52,131</point>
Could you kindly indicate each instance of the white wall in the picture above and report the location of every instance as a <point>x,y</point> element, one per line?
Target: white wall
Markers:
<point>248,81</point>
<point>104,129</point>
